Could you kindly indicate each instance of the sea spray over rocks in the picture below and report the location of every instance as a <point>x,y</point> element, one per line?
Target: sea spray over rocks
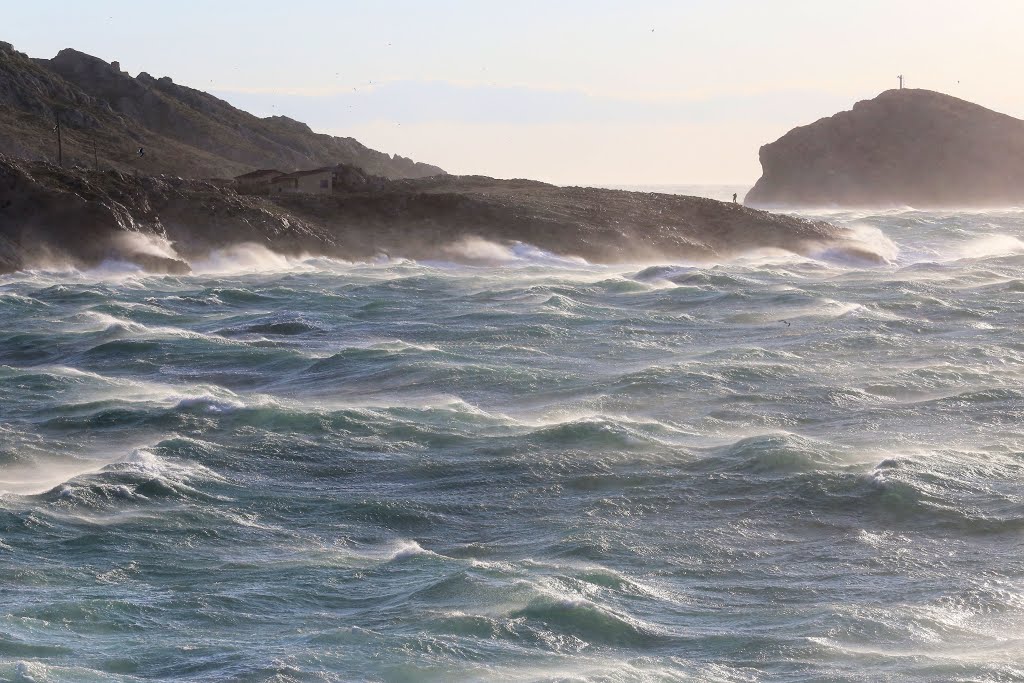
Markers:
<point>78,218</point>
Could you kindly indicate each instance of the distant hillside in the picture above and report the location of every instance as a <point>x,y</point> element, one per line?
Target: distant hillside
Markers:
<point>107,115</point>
<point>904,147</point>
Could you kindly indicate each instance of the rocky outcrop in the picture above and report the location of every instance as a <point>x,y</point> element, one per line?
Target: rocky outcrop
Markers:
<point>422,218</point>
<point>107,115</point>
<point>905,147</point>
<point>57,216</point>
<point>79,217</point>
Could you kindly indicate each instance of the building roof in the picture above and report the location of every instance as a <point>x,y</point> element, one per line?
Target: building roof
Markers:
<point>300,174</point>
<point>254,175</point>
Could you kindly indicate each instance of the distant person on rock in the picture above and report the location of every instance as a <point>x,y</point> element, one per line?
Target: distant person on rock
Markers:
<point>733,197</point>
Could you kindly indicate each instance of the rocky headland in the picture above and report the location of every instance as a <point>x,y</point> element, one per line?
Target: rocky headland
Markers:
<point>905,147</point>
<point>80,217</point>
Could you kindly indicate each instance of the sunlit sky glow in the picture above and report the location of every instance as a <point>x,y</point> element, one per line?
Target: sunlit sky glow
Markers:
<point>569,92</point>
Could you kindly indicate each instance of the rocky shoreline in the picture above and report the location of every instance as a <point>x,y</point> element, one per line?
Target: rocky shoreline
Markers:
<point>82,218</point>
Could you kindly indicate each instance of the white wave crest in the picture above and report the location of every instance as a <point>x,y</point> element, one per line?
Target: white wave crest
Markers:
<point>865,243</point>
<point>479,251</point>
<point>146,463</point>
<point>40,477</point>
<point>989,246</point>
<point>247,257</point>
<point>145,243</point>
<point>210,404</point>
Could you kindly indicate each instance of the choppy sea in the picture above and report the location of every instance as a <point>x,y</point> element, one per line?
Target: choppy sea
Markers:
<point>773,468</point>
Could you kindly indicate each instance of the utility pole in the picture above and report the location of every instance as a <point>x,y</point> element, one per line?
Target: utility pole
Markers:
<point>901,81</point>
<point>60,148</point>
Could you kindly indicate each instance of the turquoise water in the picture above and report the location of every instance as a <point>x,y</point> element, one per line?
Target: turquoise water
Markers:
<point>770,469</point>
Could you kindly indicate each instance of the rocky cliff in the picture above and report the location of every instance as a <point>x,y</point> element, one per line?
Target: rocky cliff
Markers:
<point>51,215</point>
<point>905,147</point>
<point>107,115</point>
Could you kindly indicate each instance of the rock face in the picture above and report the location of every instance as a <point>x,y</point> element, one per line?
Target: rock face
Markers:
<point>79,217</point>
<point>107,115</point>
<point>905,147</point>
<point>57,216</point>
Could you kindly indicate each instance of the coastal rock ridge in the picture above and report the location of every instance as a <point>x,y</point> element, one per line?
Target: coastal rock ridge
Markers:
<point>80,217</point>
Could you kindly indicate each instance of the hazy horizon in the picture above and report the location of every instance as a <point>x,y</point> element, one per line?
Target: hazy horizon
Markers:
<point>583,93</point>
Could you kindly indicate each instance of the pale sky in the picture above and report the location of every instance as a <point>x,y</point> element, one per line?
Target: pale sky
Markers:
<point>579,91</point>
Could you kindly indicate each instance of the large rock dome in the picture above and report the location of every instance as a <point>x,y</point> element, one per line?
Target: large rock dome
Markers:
<point>905,147</point>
